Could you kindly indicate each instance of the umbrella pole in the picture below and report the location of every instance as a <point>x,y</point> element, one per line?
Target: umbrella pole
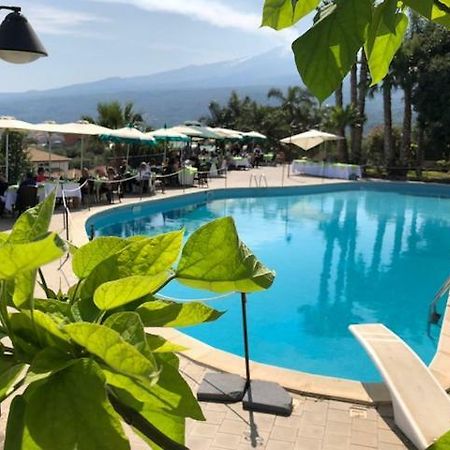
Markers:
<point>245,332</point>
<point>49,153</point>
<point>7,156</point>
<point>128,152</point>
<point>81,152</point>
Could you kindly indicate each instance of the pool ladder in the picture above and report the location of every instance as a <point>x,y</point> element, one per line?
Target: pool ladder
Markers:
<point>433,315</point>
<point>258,180</point>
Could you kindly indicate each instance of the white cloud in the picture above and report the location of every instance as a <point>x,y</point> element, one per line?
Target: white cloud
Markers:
<point>50,20</point>
<point>213,12</point>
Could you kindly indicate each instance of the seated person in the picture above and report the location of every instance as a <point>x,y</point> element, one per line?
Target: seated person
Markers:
<point>29,180</point>
<point>85,188</point>
<point>3,188</point>
<point>143,177</point>
<point>40,178</point>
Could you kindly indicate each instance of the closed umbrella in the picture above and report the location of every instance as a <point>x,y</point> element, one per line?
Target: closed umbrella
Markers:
<point>310,139</point>
<point>8,123</point>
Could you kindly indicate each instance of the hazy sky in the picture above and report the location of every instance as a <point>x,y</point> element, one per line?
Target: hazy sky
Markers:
<point>93,39</point>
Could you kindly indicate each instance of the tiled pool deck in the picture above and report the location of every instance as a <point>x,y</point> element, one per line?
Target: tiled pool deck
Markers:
<point>316,422</point>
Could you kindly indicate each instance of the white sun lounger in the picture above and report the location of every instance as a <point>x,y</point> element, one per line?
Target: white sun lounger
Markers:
<point>421,406</point>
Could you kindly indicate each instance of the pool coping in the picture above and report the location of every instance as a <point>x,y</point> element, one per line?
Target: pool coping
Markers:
<point>341,389</point>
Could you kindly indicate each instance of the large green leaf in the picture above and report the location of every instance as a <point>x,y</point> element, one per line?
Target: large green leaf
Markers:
<point>24,284</point>
<point>130,327</point>
<point>10,372</point>
<point>164,313</point>
<point>150,256</point>
<point>158,344</point>
<point>143,256</point>
<point>120,292</point>
<point>384,38</point>
<point>71,411</point>
<point>18,258</point>
<point>15,424</point>
<point>47,362</point>
<point>3,237</point>
<point>215,259</point>
<point>34,222</point>
<point>443,443</point>
<point>109,346</point>
<point>279,14</point>
<point>87,257</point>
<point>429,9</point>
<point>327,51</point>
<point>171,394</point>
<point>39,329</point>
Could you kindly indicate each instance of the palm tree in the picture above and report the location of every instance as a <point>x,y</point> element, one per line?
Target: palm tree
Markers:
<point>339,124</point>
<point>113,115</point>
<point>358,129</point>
<point>298,105</point>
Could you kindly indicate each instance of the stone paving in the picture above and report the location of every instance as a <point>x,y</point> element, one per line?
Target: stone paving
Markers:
<point>315,424</point>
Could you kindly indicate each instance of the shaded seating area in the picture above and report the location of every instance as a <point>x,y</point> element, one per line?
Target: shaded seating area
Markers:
<point>421,406</point>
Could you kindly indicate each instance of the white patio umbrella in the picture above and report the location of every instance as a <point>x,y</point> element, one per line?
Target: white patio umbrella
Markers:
<point>128,135</point>
<point>254,135</point>
<point>192,132</point>
<point>50,127</point>
<point>9,123</point>
<point>83,128</point>
<point>310,139</point>
<point>225,133</point>
<point>168,135</point>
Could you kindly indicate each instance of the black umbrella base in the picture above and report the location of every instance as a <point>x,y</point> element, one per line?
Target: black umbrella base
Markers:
<point>266,397</point>
<point>221,388</point>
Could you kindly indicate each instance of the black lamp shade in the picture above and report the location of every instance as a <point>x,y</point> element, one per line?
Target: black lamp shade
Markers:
<point>19,43</point>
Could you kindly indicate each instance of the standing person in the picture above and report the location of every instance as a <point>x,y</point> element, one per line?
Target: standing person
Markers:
<point>257,153</point>
<point>3,188</point>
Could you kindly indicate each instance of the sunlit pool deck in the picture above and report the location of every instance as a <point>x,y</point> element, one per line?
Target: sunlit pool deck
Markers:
<point>329,413</point>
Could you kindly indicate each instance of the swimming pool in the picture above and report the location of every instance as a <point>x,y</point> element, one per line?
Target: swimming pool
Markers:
<point>343,254</point>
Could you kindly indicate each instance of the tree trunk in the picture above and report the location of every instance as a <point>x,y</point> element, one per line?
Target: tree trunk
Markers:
<point>342,143</point>
<point>353,102</point>
<point>388,141</point>
<point>419,153</point>
<point>405,148</point>
<point>361,108</point>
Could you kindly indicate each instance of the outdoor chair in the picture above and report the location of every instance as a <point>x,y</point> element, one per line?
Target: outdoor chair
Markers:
<point>27,197</point>
<point>202,179</point>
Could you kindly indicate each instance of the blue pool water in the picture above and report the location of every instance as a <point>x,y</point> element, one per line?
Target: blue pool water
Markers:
<point>341,257</point>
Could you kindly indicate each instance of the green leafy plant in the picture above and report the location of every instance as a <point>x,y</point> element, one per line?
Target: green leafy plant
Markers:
<point>325,53</point>
<point>80,364</point>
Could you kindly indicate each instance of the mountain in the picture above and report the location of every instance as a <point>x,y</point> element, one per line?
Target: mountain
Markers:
<point>167,97</point>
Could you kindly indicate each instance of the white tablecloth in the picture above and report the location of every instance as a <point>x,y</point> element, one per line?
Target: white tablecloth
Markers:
<point>241,162</point>
<point>71,190</point>
<point>186,176</point>
<point>326,170</point>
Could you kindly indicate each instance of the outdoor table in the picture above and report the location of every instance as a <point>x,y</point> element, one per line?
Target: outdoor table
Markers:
<point>186,175</point>
<point>239,161</point>
<point>71,189</point>
<point>11,195</point>
<point>326,170</point>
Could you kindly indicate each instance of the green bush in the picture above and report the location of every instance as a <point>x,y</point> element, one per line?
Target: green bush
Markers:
<point>83,357</point>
